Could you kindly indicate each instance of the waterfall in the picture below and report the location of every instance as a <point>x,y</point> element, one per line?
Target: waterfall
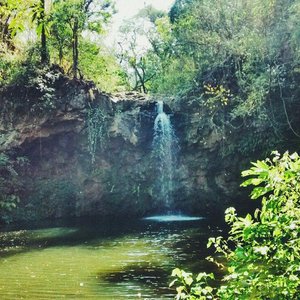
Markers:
<point>164,153</point>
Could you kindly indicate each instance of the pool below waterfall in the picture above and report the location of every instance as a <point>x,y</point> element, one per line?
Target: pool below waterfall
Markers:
<point>92,259</point>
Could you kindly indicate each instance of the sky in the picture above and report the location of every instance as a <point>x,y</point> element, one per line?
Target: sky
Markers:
<point>126,9</point>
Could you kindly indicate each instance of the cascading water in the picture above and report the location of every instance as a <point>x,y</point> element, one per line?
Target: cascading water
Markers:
<point>164,153</point>
<point>165,147</point>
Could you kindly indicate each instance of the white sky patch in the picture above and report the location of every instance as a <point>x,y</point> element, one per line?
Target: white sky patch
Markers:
<point>126,9</point>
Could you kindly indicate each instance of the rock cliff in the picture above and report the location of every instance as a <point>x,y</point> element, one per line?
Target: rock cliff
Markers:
<point>91,155</point>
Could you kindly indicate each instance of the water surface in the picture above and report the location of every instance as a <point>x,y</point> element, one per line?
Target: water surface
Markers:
<point>88,259</point>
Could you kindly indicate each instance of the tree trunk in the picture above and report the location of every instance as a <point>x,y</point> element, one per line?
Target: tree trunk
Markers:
<point>75,48</point>
<point>44,51</point>
<point>60,54</point>
<point>143,82</point>
<point>6,36</point>
<point>140,80</point>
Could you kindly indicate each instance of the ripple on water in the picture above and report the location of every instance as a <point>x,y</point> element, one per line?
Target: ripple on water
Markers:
<point>99,267</point>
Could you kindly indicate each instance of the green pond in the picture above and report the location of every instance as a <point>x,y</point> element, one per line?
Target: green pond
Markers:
<point>92,259</point>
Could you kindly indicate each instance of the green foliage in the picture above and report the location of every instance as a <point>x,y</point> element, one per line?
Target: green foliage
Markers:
<point>14,16</point>
<point>173,72</point>
<point>60,28</point>
<point>141,68</point>
<point>37,86</point>
<point>178,9</point>
<point>101,67</point>
<point>71,18</point>
<point>250,48</point>
<point>218,96</point>
<point>10,66</point>
<point>43,82</point>
<point>60,37</point>
<point>263,249</point>
<point>192,287</point>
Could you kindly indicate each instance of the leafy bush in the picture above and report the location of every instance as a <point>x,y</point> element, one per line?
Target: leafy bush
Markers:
<point>263,249</point>
<point>10,67</point>
<point>32,91</point>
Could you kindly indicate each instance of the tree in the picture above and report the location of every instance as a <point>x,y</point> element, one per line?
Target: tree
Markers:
<point>79,15</point>
<point>42,23</point>
<point>251,48</point>
<point>5,32</point>
<point>178,9</point>
<point>16,15</point>
<point>39,16</point>
<point>141,48</point>
<point>60,34</point>
<point>12,15</point>
<point>100,65</point>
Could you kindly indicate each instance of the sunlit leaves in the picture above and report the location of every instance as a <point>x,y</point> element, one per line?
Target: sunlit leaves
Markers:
<point>191,288</point>
<point>265,260</point>
<point>59,23</point>
<point>104,70</point>
<point>218,96</point>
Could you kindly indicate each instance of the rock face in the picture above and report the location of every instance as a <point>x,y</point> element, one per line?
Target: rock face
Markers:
<point>92,156</point>
<point>208,177</point>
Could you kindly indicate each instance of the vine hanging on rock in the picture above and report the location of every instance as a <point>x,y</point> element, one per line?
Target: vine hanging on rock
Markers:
<point>96,123</point>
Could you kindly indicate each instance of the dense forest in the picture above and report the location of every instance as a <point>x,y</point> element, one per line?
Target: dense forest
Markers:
<point>235,61</point>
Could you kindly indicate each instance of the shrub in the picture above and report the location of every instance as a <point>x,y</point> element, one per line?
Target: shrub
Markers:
<point>263,249</point>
